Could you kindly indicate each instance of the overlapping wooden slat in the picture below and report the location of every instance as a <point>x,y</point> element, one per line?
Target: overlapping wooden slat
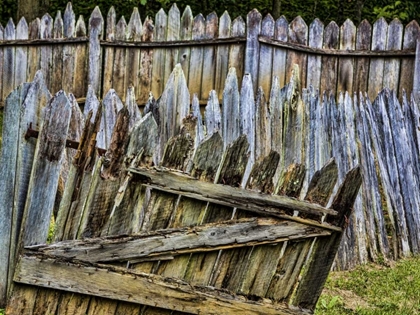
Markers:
<point>266,56</point>
<point>96,25</point>
<point>361,65</point>
<point>376,70</point>
<point>236,52</point>
<point>411,35</point>
<point>133,34</point>
<point>392,66</point>
<point>222,54</point>
<point>146,59</point>
<point>281,30</point>
<point>316,32</point>
<point>69,28</point>
<point>8,60</point>
<point>252,49</point>
<point>46,32</point>
<point>298,33</point>
<point>330,63</point>
<point>345,65</point>
<point>209,55</point>
<point>22,32</point>
<point>172,34</point>
<point>196,60</point>
<point>80,63</point>
<point>57,55</point>
<point>158,66</point>
<point>109,51</point>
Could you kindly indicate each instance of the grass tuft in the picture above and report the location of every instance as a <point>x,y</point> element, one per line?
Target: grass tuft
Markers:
<point>373,290</point>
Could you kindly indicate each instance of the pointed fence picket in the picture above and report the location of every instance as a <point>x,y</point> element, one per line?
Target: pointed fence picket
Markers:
<point>363,58</point>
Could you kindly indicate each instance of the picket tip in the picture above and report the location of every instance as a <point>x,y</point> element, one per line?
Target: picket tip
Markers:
<point>69,8</point>
<point>174,9</point>
<point>187,11</point>
<point>22,24</point>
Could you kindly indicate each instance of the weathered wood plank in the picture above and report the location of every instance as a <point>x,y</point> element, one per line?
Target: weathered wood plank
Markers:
<point>172,294</point>
<point>230,108</point>
<point>330,63</point>
<point>228,196</point>
<point>72,304</point>
<point>411,34</point>
<point>212,115</point>
<point>57,55</point>
<point>345,65</point>
<point>132,107</point>
<point>112,105</point>
<point>46,170</point>
<point>69,28</point>
<point>392,66</point>
<point>173,107</point>
<point>109,52</point>
<point>316,32</point>
<point>169,242</point>
<point>119,75</point>
<point>172,34</point>
<point>23,300</point>
<point>196,60</point>
<point>133,34</point>
<point>31,108</point>
<point>361,65</point>
<point>158,64</point>
<point>298,33</point>
<point>376,69</point>
<point>324,250</point>
<point>380,135</point>
<point>8,60</point>
<point>34,52</point>
<point>146,60</point>
<point>209,55</point>
<point>22,32</point>
<point>105,184</point>
<point>46,32</point>
<point>262,126</point>
<point>281,30</point>
<point>222,54</point>
<point>252,49</point>
<point>96,24</point>
<point>80,62</point>
<point>266,56</point>
<point>186,28</point>
<point>8,179</point>
<point>237,51</point>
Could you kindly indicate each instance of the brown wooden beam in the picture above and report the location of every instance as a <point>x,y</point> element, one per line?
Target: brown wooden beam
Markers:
<point>204,238</point>
<point>127,285</point>
<point>273,205</point>
<point>333,52</point>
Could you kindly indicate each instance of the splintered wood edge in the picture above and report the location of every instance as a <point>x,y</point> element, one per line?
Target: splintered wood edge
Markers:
<point>172,242</point>
<point>272,205</point>
<point>124,285</point>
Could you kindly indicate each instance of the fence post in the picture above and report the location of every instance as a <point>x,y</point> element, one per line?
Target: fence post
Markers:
<point>96,23</point>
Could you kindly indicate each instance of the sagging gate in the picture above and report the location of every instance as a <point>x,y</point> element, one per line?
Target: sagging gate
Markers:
<point>174,217</point>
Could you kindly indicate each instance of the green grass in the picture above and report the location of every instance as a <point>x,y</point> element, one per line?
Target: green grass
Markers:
<point>373,290</point>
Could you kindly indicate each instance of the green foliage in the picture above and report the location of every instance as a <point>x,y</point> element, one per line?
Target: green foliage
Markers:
<point>373,290</point>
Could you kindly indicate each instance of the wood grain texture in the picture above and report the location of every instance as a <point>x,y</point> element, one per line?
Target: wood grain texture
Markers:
<point>80,64</point>
<point>281,30</point>
<point>361,65</point>
<point>252,49</point>
<point>346,65</point>
<point>96,24</point>
<point>109,52</point>
<point>330,63</point>
<point>316,32</point>
<point>209,55</point>
<point>266,56</point>
<point>69,31</point>
<point>222,54</point>
<point>158,64</point>
<point>46,170</point>
<point>376,70</point>
<point>22,33</point>
<point>172,294</point>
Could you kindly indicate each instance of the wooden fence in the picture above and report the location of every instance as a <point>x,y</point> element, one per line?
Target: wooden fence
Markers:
<point>109,53</point>
<point>217,221</point>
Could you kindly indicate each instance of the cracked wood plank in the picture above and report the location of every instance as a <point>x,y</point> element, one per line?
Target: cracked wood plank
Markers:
<point>185,185</point>
<point>120,284</point>
<point>169,242</point>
